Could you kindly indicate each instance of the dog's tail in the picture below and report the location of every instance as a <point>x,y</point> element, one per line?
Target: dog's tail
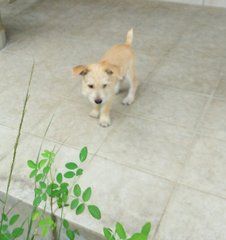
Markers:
<point>129,38</point>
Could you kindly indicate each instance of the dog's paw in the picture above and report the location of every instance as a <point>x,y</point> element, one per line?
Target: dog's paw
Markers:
<point>105,122</point>
<point>94,113</point>
<point>127,100</point>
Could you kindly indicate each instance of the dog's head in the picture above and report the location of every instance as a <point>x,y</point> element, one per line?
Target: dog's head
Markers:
<point>98,80</point>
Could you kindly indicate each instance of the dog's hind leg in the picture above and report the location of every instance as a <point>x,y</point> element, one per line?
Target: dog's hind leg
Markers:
<point>133,84</point>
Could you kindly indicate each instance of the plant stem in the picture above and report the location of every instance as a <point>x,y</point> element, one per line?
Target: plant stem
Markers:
<point>54,231</point>
<point>16,143</point>
<point>61,221</point>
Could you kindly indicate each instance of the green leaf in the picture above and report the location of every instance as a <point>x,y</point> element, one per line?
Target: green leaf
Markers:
<point>87,194</point>
<point>94,211</point>
<point>69,174</point>
<point>146,229</point>
<point>4,217</point>
<point>52,190</point>
<point>42,163</point>
<point>64,191</point>
<point>59,203</point>
<point>64,185</point>
<point>65,197</point>
<point>65,224</point>
<point>53,185</point>
<point>79,172</point>
<point>42,184</point>
<point>44,197</point>
<point>45,231</point>
<point>74,203</point>
<point>37,201</point>
<point>83,154</point>
<point>38,191</point>
<point>46,169</point>
<point>13,219</point>
<point>70,234</point>
<point>54,193</point>
<point>80,209</point>
<point>31,164</point>
<point>36,215</point>
<point>138,236</point>
<point>38,177</point>
<point>4,236</point>
<point>71,165</point>
<point>33,173</point>
<point>4,228</point>
<point>120,231</point>
<point>17,232</point>
<point>45,153</point>
<point>108,234</point>
<point>59,177</point>
<point>77,190</point>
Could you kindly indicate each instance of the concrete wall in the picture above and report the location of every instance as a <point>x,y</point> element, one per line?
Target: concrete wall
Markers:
<point>213,3</point>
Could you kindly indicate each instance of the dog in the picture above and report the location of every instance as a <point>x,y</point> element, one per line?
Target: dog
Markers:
<point>101,81</point>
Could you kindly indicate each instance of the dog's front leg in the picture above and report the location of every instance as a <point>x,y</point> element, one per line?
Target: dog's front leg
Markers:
<point>96,111</point>
<point>105,120</point>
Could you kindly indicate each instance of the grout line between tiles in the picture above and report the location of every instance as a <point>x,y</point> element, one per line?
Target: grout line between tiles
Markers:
<point>164,211</point>
<point>203,191</point>
<point>176,182</point>
<point>187,156</point>
<point>194,140</point>
<point>207,105</point>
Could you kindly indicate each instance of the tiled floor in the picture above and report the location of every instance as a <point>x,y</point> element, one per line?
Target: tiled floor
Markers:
<point>164,157</point>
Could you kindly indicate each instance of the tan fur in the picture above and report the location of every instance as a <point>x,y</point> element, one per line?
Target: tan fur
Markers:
<point>101,81</point>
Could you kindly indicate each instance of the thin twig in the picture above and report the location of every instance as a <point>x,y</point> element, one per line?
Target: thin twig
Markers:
<point>16,143</point>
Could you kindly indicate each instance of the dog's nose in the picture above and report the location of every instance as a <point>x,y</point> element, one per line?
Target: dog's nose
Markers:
<point>98,101</point>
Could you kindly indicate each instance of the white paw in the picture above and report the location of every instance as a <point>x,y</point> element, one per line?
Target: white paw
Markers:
<point>94,113</point>
<point>105,122</point>
<point>127,100</point>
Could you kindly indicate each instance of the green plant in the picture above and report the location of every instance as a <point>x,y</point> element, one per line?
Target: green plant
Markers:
<point>56,188</point>
<point>120,234</point>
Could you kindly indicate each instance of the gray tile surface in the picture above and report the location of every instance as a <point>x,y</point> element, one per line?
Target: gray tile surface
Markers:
<point>163,158</point>
<point>193,215</point>
<point>205,168</point>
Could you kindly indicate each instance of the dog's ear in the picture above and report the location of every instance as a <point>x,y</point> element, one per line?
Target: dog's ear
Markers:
<point>111,70</point>
<point>80,70</point>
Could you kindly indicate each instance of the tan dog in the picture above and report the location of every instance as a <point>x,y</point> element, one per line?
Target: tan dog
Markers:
<point>101,81</point>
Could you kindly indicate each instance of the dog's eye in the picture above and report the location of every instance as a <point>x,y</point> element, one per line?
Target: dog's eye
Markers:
<point>105,85</point>
<point>90,86</point>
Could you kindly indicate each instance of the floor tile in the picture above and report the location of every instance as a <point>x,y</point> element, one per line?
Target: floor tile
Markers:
<point>7,140</point>
<point>221,89</point>
<point>47,83</point>
<point>38,108</point>
<point>14,70</point>
<point>154,101</point>
<point>214,121</point>
<point>150,146</point>
<point>190,215</point>
<point>190,70</point>
<point>116,188</point>
<point>206,166</point>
